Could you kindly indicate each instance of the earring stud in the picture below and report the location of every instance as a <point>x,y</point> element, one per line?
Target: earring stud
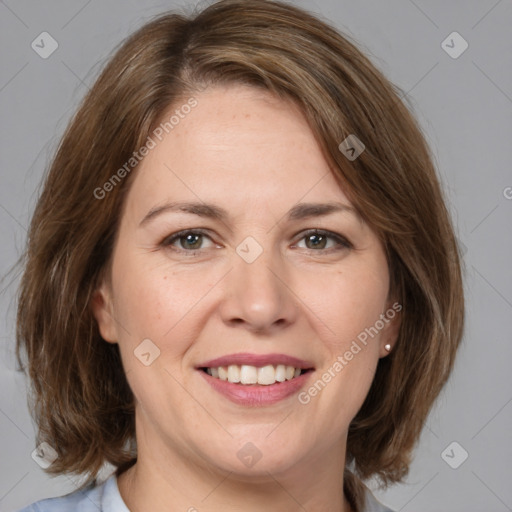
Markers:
<point>387,347</point>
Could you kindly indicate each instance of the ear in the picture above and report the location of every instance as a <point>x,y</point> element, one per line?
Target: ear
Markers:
<point>389,334</point>
<point>103,311</point>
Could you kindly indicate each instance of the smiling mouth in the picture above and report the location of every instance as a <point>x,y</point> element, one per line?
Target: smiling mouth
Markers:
<point>249,375</point>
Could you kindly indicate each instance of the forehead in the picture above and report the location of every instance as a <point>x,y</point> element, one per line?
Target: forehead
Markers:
<point>237,144</point>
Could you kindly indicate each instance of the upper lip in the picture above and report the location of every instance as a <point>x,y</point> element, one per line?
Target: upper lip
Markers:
<point>257,360</point>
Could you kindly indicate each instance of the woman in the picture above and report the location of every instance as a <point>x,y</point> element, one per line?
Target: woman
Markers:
<point>242,287</point>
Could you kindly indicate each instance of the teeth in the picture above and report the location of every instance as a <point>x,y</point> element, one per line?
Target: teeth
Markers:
<point>234,373</point>
<point>266,375</point>
<point>246,374</point>
<point>280,373</point>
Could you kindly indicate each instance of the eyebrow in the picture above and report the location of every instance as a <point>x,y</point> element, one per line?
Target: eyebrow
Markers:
<point>207,210</point>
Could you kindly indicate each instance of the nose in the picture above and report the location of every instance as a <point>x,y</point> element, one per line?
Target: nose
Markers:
<point>258,295</point>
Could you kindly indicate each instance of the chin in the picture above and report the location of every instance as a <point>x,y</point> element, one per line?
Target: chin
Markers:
<point>256,455</point>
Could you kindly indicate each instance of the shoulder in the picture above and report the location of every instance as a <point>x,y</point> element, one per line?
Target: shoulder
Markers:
<point>88,499</point>
<point>104,498</point>
<point>372,504</point>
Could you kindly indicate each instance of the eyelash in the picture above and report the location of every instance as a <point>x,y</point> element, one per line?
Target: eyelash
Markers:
<point>342,242</point>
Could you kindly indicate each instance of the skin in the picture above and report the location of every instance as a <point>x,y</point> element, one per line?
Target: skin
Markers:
<point>255,156</point>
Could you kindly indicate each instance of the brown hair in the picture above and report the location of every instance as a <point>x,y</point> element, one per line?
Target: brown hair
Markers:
<point>82,403</point>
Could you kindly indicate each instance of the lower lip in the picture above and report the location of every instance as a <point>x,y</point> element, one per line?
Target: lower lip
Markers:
<point>255,395</point>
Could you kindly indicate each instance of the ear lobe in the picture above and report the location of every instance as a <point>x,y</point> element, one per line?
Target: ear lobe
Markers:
<point>390,332</point>
<point>102,309</point>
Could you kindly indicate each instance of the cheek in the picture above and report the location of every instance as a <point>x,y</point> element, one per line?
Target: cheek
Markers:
<point>156,302</point>
<point>351,308</point>
<point>348,302</point>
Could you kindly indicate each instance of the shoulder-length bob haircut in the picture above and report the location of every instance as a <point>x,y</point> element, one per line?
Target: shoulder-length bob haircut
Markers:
<point>81,400</point>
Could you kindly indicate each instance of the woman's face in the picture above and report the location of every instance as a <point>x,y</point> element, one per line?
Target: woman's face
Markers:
<point>247,291</point>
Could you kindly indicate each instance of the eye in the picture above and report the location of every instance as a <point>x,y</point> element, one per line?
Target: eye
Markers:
<point>191,241</point>
<point>319,240</point>
<point>188,241</point>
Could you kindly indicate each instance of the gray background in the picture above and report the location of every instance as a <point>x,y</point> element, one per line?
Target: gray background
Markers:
<point>465,108</point>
